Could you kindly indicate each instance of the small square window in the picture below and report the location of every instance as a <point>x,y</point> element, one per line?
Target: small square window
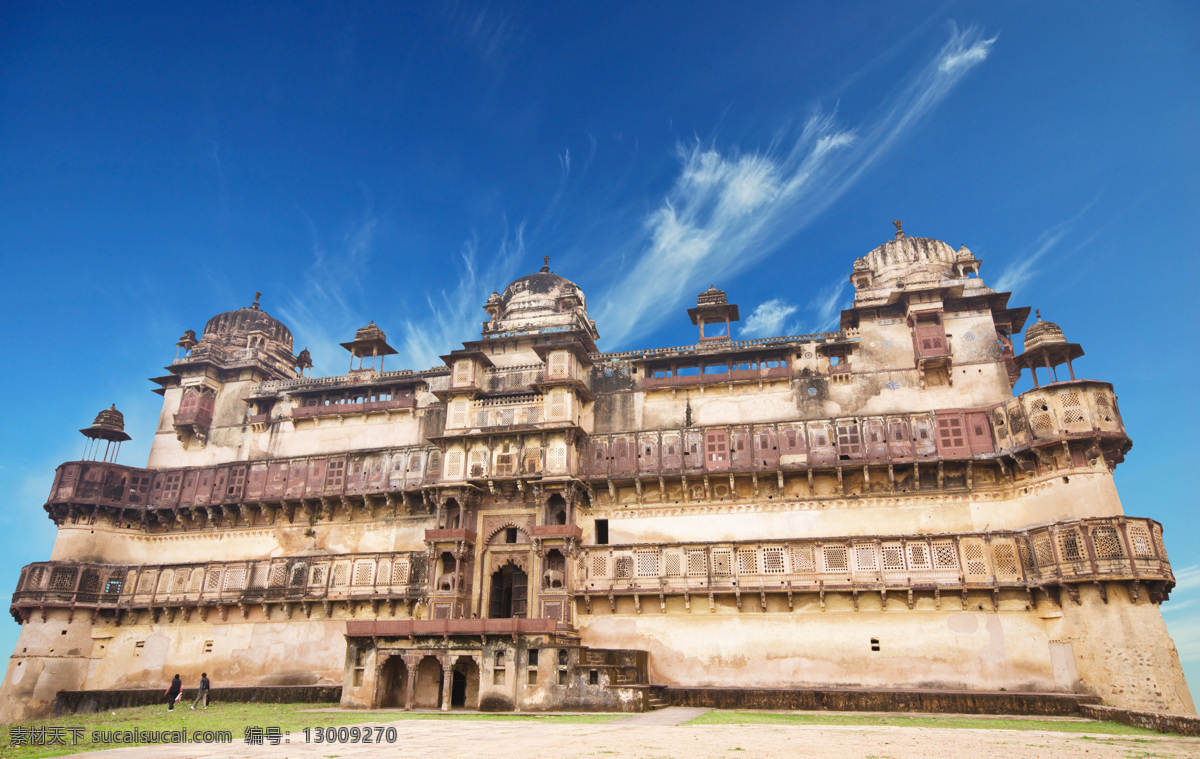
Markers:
<point>533,677</point>
<point>594,677</point>
<point>533,657</point>
<point>510,535</point>
<point>562,677</point>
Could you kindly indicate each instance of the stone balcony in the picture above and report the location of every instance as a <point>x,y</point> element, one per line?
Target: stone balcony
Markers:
<point>293,581</point>
<point>1064,554</point>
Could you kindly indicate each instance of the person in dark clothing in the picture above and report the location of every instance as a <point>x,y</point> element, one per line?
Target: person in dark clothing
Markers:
<point>173,693</point>
<point>203,692</point>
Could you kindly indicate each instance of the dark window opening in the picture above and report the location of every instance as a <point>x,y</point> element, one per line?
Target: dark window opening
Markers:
<point>601,532</point>
<point>874,644</point>
<point>594,677</point>
<point>533,657</point>
<point>510,534</point>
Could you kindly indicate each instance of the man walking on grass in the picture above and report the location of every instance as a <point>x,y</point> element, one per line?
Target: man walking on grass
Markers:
<point>173,693</point>
<point>203,692</point>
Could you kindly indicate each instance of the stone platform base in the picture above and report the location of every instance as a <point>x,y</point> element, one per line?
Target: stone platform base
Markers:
<point>88,701</point>
<point>1164,723</point>
<point>867,700</point>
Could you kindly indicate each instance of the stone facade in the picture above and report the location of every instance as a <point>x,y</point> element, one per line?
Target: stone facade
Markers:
<point>537,525</point>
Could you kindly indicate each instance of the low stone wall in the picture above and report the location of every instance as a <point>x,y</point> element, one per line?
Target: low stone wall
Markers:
<point>88,701</point>
<point>1164,723</point>
<point>864,700</point>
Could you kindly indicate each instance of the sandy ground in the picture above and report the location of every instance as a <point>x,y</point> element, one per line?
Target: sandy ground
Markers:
<point>658,735</point>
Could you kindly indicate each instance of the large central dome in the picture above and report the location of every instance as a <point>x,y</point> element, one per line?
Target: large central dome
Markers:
<point>233,327</point>
<point>542,301</point>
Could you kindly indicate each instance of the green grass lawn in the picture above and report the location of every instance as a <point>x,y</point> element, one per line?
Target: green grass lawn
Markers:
<point>974,723</point>
<point>235,718</point>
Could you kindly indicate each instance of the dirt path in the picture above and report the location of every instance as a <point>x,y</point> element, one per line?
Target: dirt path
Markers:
<point>445,739</point>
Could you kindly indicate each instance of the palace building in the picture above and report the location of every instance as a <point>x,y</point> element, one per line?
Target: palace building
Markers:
<point>537,525</point>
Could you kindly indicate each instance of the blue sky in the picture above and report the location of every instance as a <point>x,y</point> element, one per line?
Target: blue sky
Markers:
<point>159,163</point>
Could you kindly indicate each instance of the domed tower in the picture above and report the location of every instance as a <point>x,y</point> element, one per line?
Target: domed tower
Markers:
<point>1046,346</point>
<point>237,347</point>
<point>924,281</point>
<point>109,426</point>
<point>539,303</point>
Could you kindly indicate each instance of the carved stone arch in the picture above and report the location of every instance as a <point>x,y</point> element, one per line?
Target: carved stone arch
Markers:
<point>519,559</point>
<point>506,525</point>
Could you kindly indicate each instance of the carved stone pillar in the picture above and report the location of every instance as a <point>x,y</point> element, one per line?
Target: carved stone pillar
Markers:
<point>410,687</point>
<point>447,683</point>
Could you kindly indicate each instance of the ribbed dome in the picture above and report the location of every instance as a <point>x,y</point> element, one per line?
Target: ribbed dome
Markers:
<point>232,327</point>
<point>908,252</point>
<point>542,283</point>
<point>1043,333</point>
<point>109,425</point>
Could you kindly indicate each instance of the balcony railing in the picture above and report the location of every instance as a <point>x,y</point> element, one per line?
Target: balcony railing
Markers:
<point>513,379</point>
<point>366,407</point>
<point>310,578</point>
<point>1087,550</point>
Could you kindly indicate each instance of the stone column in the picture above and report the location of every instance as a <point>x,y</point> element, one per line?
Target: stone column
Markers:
<point>410,688</point>
<point>447,683</point>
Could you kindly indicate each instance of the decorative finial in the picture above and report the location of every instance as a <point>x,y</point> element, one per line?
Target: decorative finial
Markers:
<point>1038,311</point>
<point>545,263</point>
<point>899,231</point>
<point>254,305</point>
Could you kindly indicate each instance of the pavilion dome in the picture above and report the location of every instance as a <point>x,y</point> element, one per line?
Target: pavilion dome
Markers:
<point>1042,333</point>
<point>904,254</point>
<point>232,327</point>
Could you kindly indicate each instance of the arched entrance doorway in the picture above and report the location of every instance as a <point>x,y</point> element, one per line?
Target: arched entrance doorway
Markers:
<point>510,592</point>
<point>465,684</point>
<point>394,683</point>
<point>428,693</point>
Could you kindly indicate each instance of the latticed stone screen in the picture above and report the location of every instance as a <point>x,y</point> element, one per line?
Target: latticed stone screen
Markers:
<point>1107,543</point>
<point>1070,545</point>
<point>1044,550</point>
<point>623,570</point>
<point>918,556</point>
<point>400,571</point>
<point>944,555</point>
<point>747,561</point>
<point>722,564</point>
<point>803,560</point>
<point>976,559</point>
<point>179,586</point>
<point>674,562</point>
<point>864,558</point>
<point>1072,408</point>
<point>835,558</point>
<point>235,578</point>
<point>341,575</point>
<point>893,557</point>
<point>1140,538</point>
<point>773,562</point>
<point>599,565</point>
<point>278,576</point>
<point>697,563</point>
<point>647,563</point>
<point>363,572</point>
<point>212,580</point>
<point>1005,557</point>
<point>146,582</point>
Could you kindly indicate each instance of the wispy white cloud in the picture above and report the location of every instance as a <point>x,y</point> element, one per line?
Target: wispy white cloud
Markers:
<point>457,313</point>
<point>325,311</point>
<point>1020,271</point>
<point>1182,615</point>
<point>492,34</point>
<point>729,209</point>
<point>828,305</point>
<point>769,319</point>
